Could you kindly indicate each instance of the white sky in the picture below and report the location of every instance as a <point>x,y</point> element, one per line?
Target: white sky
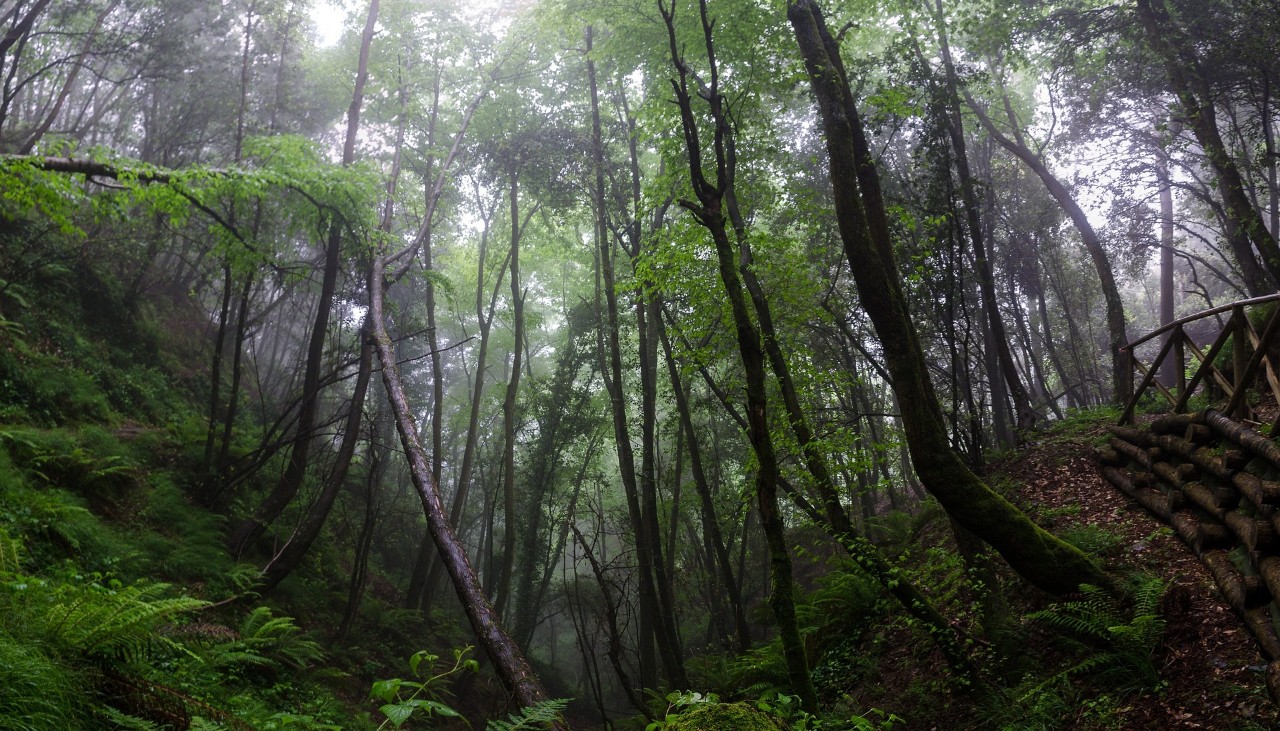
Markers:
<point>327,15</point>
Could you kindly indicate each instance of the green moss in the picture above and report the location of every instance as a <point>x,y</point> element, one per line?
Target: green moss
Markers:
<point>723,717</point>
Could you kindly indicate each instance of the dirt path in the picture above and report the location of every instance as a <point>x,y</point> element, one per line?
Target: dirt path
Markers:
<point>1214,673</point>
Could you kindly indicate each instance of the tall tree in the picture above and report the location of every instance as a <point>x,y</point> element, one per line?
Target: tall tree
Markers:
<point>653,624</point>
<point>1038,556</point>
<point>1247,232</point>
<point>709,211</point>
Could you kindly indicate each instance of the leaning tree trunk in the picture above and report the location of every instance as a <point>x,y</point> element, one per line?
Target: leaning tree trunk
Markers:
<point>251,528</point>
<point>1044,560</point>
<point>291,555</point>
<point>718,554</point>
<point>512,667</point>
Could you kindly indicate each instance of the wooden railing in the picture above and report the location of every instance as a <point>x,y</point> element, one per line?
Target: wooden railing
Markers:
<point>1249,356</point>
<point>1216,483</point>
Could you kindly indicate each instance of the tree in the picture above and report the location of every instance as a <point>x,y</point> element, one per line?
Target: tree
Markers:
<point>709,210</point>
<point>510,663</point>
<point>1042,559</point>
<point>1247,232</point>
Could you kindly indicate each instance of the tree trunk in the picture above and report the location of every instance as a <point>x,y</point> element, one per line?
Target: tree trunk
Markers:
<point>1044,560</point>
<point>509,404</point>
<point>364,541</point>
<point>1192,88</point>
<point>510,664</point>
<point>1168,370</point>
<point>237,375</point>
<point>427,570</point>
<point>708,210</point>
<point>300,542</point>
<point>612,375</point>
<point>710,523</point>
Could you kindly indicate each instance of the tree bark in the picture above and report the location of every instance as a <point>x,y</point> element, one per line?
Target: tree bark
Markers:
<point>1045,561</point>
<point>509,403</point>
<point>709,212</point>
<point>512,667</point>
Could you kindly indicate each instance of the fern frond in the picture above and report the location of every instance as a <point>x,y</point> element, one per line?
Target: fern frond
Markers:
<point>266,640</point>
<point>1119,644</point>
<point>126,722</point>
<point>121,624</point>
<point>537,716</point>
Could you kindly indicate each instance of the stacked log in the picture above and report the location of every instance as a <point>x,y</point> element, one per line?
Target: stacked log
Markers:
<point>1214,482</point>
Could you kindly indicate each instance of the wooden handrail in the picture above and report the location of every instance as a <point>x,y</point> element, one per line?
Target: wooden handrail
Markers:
<point>1245,366</point>
<point>1201,315</point>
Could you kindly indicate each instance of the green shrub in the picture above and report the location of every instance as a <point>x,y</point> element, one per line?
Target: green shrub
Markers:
<point>697,712</point>
<point>187,542</point>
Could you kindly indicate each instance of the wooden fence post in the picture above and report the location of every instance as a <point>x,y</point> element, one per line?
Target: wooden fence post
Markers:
<point>1239,363</point>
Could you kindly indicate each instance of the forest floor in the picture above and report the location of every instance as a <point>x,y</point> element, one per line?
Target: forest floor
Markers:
<point>1213,674</point>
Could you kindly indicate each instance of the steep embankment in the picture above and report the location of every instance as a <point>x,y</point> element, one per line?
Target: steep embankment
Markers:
<point>1212,675</point>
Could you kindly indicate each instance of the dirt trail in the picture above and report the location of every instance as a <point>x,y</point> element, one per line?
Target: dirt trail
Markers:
<point>1214,673</point>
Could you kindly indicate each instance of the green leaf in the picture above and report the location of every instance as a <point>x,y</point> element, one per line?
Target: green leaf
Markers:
<point>385,689</point>
<point>441,709</point>
<point>397,713</point>
<point>418,657</point>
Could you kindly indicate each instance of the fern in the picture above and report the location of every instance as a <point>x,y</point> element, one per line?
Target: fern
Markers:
<point>115,623</point>
<point>9,559</point>
<point>125,722</point>
<point>537,716</point>
<point>1119,644</point>
<point>267,641</point>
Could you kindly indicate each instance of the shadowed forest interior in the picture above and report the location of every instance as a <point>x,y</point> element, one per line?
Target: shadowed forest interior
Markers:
<point>668,364</point>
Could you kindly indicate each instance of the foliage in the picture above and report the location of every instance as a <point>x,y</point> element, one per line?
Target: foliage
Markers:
<point>693,711</point>
<point>423,695</point>
<point>532,717</point>
<point>106,620</point>
<point>264,640</point>
<point>36,692</point>
<point>1118,642</point>
<point>1092,539</point>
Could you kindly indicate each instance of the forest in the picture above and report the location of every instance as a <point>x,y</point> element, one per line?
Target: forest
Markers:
<point>599,364</point>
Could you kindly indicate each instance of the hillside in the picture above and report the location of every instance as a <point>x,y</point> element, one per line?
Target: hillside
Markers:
<point>124,609</point>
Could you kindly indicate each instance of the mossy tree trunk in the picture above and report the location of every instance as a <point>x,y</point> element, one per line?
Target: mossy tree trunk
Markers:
<point>1045,561</point>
